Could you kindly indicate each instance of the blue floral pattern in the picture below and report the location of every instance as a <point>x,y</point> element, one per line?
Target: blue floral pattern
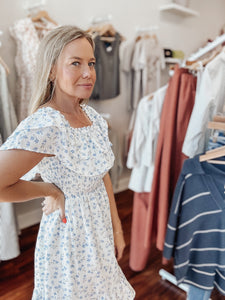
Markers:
<point>74,260</point>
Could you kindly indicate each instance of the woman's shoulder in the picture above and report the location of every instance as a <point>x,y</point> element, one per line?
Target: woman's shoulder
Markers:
<point>43,117</point>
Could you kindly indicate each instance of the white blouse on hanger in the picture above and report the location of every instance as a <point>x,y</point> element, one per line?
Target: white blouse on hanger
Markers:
<point>209,100</point>
<point>142,150</point>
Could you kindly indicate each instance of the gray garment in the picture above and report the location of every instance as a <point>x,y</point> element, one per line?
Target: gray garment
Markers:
<point>8,120</point>
<point>117,168</point>
<point>107,84</point>
<point>9,245</point>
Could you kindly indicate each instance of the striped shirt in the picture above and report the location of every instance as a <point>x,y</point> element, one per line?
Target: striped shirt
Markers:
<point>195,234</point>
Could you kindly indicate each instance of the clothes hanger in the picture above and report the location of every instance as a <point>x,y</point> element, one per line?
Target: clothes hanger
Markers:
<point>216,125</point>
<point>42,14</point>
<point>101,26</point>
<point>219,118</point>
<point>146,33</point>
<point>106,32</point>
<point>210,155</point>
<point>198,64</point>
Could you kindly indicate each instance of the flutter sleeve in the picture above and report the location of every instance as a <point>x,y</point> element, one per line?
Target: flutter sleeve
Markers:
<point>35,133</point>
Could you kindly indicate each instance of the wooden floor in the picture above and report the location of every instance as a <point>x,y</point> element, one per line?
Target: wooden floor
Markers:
<point>16,276</point>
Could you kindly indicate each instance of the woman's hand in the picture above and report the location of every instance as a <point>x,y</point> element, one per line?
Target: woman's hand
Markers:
<point>56,201</point>
<point>119,244</point>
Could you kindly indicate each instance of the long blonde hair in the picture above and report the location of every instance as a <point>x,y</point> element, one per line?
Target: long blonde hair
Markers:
<point>49,50</point>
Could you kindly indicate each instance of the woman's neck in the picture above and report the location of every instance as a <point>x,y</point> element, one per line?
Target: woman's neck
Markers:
<point>70,107</point>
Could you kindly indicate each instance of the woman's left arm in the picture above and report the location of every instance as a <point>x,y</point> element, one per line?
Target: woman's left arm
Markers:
<point>116,223</point>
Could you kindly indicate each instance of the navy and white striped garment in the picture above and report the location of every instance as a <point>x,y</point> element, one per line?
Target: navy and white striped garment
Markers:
<point>195,234</point>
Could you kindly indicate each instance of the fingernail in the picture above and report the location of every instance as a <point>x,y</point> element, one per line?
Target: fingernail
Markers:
<point>64,220</point>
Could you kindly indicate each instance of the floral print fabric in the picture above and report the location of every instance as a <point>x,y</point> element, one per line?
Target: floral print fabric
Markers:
<point>75,260</point>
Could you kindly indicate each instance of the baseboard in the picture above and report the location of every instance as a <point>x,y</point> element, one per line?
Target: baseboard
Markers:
<point>122,184</point>
<point>29,218</point>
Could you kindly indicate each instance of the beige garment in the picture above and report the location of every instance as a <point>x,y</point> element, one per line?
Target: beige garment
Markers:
<point>27,39</point>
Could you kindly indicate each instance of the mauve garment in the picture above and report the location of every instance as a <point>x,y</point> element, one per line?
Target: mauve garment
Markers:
<point>176,112</point>
<point>150,210</point>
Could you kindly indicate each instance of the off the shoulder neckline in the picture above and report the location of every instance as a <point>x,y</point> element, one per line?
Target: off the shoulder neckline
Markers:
<point>66,121</point>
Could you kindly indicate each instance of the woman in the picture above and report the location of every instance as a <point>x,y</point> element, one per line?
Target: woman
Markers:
<point>68,143</point>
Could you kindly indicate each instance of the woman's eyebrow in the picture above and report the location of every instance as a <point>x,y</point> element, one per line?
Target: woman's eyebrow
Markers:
<point>75,57</point>
<point>78,58</point>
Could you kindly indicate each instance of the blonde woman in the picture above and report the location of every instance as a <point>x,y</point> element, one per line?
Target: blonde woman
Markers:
<point>80,237</point>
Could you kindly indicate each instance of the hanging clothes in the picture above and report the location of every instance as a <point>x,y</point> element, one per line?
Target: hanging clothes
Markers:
<point>177,108</point>
<point>141,155</point>
<point>141,159</point>
<point>146,59</point>
<point>196,228</point>
<point>107,83</point>
<point>126,56</point>
<point>27,39</point>
<point>147,62</point>
<point>8,119</point>
<point>9,244</point>
<point>209,100</point>
<point>117,168</point>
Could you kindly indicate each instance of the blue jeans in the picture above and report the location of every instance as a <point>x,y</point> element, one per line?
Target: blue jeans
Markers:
<point>196,293</point>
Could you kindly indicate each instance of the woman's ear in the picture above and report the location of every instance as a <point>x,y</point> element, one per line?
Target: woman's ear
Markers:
<point>52,73</point>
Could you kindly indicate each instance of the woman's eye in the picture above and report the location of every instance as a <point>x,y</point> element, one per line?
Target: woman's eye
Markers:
<point>76,63</point>
<point>91,64</point>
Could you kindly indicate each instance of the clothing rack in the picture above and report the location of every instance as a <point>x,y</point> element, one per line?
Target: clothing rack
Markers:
<point>202,51</point>
<point>101,19</point>
<point>147,29</point>
<point>33,5</point>
<point>210,46</point>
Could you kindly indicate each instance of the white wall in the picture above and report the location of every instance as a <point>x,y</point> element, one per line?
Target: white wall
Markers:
<point>175,31</point>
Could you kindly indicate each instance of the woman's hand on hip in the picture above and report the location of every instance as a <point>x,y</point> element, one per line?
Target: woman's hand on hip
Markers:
<point>55,201</point>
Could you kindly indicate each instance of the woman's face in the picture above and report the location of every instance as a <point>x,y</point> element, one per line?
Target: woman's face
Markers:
<point>74,71</point>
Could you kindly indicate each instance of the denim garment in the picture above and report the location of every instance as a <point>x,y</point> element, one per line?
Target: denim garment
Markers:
<point>196,293</point>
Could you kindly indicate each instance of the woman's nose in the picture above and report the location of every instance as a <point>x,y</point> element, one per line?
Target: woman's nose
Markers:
<point>86,72</point>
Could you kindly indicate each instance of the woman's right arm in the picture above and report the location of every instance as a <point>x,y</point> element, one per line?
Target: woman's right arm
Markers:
<point>13,165</point>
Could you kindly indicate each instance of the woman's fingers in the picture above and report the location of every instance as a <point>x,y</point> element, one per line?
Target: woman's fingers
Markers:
<point>50,204</point>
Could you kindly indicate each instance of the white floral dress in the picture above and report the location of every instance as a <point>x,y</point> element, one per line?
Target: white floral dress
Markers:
<point>74,260</point>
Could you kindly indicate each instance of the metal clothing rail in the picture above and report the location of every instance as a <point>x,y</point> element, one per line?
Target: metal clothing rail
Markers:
<point>33,5</point>
<point>171,278</point>
<point>101,19</point>
<point>146,29</point>
<point>210,46</point>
